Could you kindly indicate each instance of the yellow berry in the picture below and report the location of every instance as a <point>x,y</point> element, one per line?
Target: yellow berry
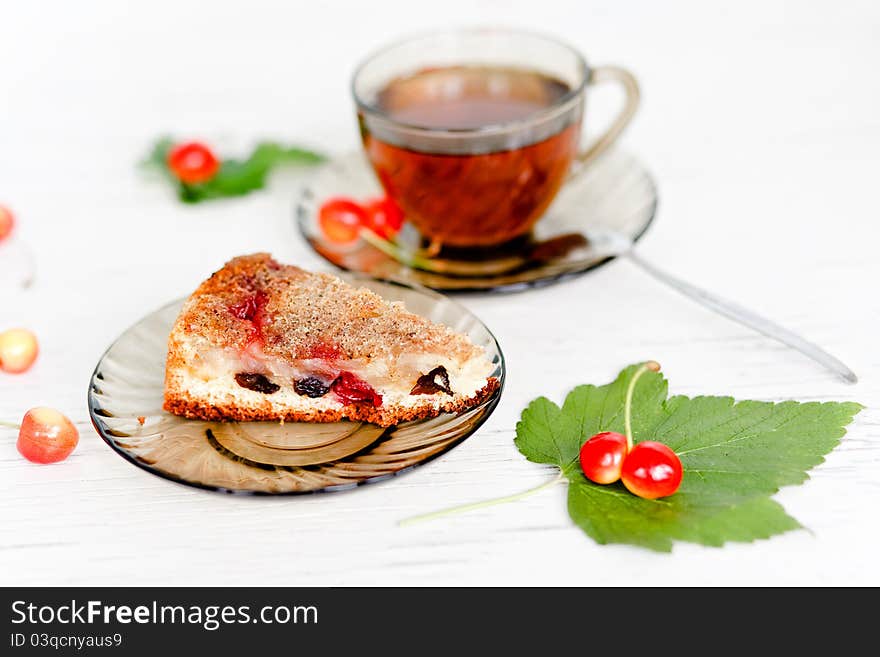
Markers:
<point>18,350</point>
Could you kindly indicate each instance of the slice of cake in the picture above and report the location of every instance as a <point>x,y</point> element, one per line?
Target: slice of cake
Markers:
<point>262,341</point>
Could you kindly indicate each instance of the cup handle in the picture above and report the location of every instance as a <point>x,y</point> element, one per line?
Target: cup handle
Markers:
<point>599,75</point>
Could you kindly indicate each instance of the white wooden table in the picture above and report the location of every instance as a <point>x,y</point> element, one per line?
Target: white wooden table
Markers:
<point>759,122</point>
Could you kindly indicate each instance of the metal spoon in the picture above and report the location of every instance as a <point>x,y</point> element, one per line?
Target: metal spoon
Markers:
<point>611,243</point>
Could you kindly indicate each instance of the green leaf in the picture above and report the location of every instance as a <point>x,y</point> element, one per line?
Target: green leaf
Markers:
<point>611,514</point>
<point>235,177</point>
<point>157,158</point>
<point>735,455</point>
<point>600,408</point>
<point>546,435</point>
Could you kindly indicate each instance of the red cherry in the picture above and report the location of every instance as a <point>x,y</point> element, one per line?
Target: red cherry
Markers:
<point>384,217</point>
<point>602,457</point>
<point>651,470</point>
<point>351,389</point>
<point>193,162</point>
<point>7,222</point>
<point>46,436</point>
<point>341,220</point>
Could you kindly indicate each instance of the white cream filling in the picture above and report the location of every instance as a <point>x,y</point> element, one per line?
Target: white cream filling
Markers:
<point>392,379</point>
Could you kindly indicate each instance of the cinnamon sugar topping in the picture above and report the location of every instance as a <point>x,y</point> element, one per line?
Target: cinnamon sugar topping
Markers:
<point>306,315</point>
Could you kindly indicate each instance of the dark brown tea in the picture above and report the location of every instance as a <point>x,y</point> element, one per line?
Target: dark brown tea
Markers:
<point>471,154</point>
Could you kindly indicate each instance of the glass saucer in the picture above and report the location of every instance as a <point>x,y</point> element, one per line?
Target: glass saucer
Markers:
<point>125,404</point>
<point>613,192</point>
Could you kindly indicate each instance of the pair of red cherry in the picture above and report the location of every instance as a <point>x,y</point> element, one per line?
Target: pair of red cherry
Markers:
<point>341,218</point>
<point>649,469</point>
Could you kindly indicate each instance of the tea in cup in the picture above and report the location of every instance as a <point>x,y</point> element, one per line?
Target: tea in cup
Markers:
<point>474,132</point>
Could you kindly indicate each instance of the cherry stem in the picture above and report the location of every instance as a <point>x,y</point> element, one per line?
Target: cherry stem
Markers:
<point>395,252</point>
<point>651,365</point>
<point>481,505</point>
<point>10,425</point>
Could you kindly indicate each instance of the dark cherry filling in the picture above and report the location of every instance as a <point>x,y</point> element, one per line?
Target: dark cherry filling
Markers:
<point>437,380</point>
<point>311,387</point>
<point>256,382</point>
<point>352,390</point>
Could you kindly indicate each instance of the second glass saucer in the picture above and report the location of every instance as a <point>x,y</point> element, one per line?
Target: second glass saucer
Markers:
<point>614,192</point>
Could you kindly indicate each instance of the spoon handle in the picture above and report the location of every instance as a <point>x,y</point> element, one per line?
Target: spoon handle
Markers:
<point>748,318</point>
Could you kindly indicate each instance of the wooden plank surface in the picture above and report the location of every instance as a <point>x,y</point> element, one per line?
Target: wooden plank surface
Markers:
<point>759,121</point>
